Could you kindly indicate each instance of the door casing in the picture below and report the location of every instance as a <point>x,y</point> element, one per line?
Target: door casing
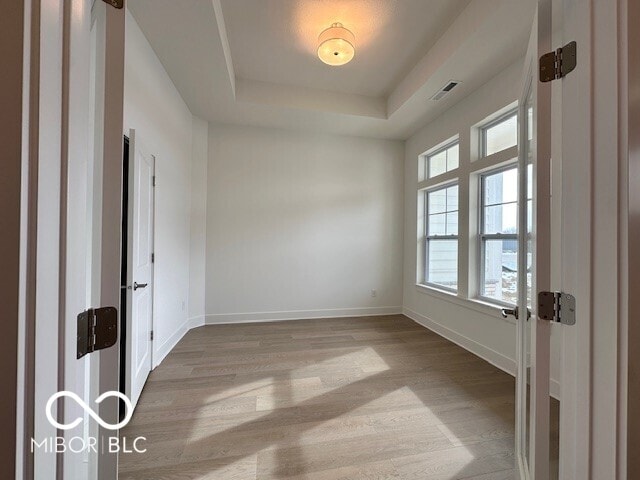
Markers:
<point>55,136</point>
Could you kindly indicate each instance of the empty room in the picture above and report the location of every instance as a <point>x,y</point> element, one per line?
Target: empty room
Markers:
<point>321,239</point>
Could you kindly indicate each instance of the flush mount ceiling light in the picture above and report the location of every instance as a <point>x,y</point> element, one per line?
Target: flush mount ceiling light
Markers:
<point>336,45</point>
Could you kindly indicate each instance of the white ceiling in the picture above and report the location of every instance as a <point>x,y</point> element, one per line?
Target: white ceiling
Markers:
<point>253,62</point>
<point>276,40</point>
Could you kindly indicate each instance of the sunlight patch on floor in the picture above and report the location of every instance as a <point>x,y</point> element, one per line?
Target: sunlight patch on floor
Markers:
<point>290,394</point>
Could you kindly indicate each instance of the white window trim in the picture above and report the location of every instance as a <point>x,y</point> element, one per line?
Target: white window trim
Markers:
<point>482,237</point>
<point>423,163</point>
<point>475,304</point>
<point>427,238</point>
<point>501,117</point>
<point>470,166</point>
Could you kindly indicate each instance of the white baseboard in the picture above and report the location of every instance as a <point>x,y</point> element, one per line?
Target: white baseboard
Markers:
<point>197,321</point>
<point>253,317</point>
<point>497,359</point>
<point>554,388</point>
<point>163,350</point>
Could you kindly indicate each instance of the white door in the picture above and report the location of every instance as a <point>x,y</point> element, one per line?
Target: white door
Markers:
<point>534,259</point>
<point>140,268</point>
<point>72,227</point>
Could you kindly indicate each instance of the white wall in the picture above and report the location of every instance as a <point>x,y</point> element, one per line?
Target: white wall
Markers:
<point>163,124</point>
<point>197,248</point>
<point>302,225</point>
<point>474,325</point>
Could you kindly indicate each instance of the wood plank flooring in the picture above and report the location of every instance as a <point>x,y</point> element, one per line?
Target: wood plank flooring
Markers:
<point>329,399</point>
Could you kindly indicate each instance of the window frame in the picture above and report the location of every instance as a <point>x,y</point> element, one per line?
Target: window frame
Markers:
<point>483,237</point>
<point>492,123</point>
<point>427,238</point>
<point>437,151</point>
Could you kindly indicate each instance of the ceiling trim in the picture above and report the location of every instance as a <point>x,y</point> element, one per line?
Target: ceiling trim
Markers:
<point>461,30</point>
<point>222,30</point>
<point>257,92</point>
<point>486,37</point>
<point>291,96</point>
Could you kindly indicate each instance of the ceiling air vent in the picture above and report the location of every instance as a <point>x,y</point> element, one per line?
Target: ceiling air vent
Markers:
<point>450,85</point>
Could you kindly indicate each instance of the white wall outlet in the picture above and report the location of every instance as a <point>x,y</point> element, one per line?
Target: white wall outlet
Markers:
<point>374,293</point>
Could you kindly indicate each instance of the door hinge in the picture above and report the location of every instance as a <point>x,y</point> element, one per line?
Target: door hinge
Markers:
<point>557,307</point>
<point>115,3</point>
<point>97,329</point>
<point>153,258</point>
<point>558,64</point>
<point>151,335</point>
<point>153,181</point>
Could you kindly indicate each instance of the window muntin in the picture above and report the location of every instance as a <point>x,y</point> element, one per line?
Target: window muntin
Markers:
<point>499,235</point>
<point>441,237</point>
<point>500,134</point>
<point>442,161</point>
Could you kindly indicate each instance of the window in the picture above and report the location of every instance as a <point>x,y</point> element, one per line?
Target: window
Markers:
<point>498,235</point>
<point>441,237</point>
<point>485,177</point>
<point>500,134</point>
<point>442,161</point>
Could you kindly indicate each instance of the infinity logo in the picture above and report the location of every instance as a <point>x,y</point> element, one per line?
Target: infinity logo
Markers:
<point>89,410</point>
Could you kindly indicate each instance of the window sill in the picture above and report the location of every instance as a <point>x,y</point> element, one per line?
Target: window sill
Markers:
<point>477,305</point>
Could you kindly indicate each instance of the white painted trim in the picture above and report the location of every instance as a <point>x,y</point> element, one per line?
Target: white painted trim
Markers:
<point>195,322</point>
<point>222,31</point>
<point>477,305</point>
<point>495,358</point>
<point>252,317</point>
<point>163,350</point>
<point>554,388</point>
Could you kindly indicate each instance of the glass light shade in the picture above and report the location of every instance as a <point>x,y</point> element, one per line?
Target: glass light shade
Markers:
<point>336,45</point>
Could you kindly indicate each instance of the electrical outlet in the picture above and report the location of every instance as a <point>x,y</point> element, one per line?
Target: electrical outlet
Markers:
<point>374,293</point>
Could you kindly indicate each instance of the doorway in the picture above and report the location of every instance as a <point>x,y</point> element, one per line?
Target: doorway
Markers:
<point>137,259</point>
<point>123,272</point>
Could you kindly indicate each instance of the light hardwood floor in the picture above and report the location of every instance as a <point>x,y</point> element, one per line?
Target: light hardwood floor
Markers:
<point>350,398</point>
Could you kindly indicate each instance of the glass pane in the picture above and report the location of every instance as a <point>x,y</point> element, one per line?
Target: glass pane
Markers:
<point>442,267</point>
<point>501,187</point>
<point>453,158</point>
<point>452,223</point>
<point>526,283</point>
<point>501,219</point>
<point>443,161</point>
<point>529,279</point>
<point>438,164</point>
<point>501,136</point>
<point>437,201</point>
<point>437,224</point>
<point>501,270</point>
<point>452,198</point>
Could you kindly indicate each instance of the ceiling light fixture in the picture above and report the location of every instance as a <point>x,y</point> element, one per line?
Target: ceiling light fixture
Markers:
<point>336,45</point>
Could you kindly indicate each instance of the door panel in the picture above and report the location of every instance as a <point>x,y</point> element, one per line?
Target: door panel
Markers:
<point>140,269</point>
<point>75,104</point>
<point>533,334</point>
<point>111,80</point>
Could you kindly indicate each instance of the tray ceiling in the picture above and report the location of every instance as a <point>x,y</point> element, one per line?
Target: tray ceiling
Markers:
<point>254,62</point>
